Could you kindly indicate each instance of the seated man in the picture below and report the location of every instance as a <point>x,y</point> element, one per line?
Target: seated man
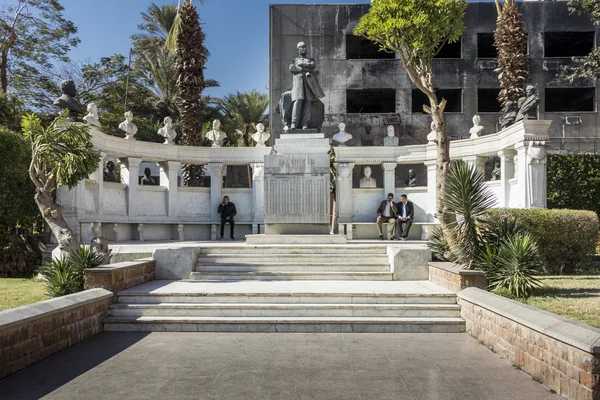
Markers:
<point>406,214</point>
<point>387,211</point>
<point>227,211</point>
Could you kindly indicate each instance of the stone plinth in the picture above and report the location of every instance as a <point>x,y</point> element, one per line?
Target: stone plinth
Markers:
<point>297,186</point>
<point>295,239</point>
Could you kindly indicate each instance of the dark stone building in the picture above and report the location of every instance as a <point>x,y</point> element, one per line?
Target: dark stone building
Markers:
<point>366,87</point>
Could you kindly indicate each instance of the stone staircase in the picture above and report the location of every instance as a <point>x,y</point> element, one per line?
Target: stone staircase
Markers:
<point>288,289</point>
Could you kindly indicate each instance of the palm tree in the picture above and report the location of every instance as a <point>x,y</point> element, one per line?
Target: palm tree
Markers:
<point>156,24</point>
<point>160,67</point>
<point>245,109</point>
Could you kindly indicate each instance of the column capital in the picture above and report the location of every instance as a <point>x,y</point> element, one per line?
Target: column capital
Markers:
<point>389,166</point>
<point>507,153</point>
<point>430,164</point>
<point>169,164</point>
<point>131,161</point>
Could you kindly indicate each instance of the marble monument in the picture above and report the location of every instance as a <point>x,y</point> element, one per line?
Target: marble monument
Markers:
<point>342,136</point>
<point>216,135</point>
<point>390,139</point>
<point>477,129</point>
<point>167,131</point>
<point>367,181</point>
<point>260,136</point>
<point>92,117</point>
<point>128,126</point>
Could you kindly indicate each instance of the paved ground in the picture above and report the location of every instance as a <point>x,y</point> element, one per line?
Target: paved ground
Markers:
<point>274,366</point>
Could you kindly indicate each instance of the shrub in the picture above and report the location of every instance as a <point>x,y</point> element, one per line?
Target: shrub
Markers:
<point>571,174</point>
<point>19,258</point>
<point>515,266</point>
<point>565,238</point>
<point>65,275</point>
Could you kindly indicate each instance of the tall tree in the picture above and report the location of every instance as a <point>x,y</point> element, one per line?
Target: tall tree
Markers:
<point>61,155</point>
<point>192,57</point>
<point>156,24</point>
<point>244,110</point>
<point>417,30</point>
<point>34,36</point>
<point>511,42</point>
<point>587,67</point>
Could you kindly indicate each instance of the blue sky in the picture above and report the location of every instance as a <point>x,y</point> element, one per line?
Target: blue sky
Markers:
<point>237,35</point>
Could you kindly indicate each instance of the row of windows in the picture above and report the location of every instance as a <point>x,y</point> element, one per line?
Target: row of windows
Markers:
<point>376,101</point>
<point>556,44</point>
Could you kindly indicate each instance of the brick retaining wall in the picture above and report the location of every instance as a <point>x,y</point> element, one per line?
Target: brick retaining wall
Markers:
<point>119,276</point>
<point>33,332</point>
<point>453,277</point>
<point>561,353</point>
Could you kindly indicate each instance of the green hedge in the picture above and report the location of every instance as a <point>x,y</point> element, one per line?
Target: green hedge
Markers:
<point>574,181</point>
<point>566,238</point>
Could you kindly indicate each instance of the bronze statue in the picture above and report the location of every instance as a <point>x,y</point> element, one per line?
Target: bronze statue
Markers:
<point>295,105</point>
<point>527,103</point>
<point>109,174</point>
<point>67,100</point>
<point>366,139</point>
<point>509,113</point>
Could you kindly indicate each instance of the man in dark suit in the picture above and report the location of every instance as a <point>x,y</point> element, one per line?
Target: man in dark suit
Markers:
<point>227,211</point>
<point>406,215</point>
<point>387,211</point>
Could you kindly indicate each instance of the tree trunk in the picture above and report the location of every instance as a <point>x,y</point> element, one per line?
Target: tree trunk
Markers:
<point>53,215</point>
<point>3,72</point>
<point>245,135</point>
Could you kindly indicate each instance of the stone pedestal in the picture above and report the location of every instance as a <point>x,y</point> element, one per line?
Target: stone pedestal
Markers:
<point>297,185</point>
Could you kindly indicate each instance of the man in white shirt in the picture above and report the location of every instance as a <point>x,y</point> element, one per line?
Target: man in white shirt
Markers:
<point>387,211</point>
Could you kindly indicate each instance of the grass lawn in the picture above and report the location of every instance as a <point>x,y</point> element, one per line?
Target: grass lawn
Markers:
<point>15,292</point>
<point>573,296</point>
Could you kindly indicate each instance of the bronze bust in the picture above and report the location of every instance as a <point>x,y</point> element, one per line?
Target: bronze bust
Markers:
<point>67,100</point>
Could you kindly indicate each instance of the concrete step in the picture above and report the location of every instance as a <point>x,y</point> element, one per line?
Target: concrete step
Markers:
<point>276,267</point>
<point>295,259</point>
<point>284,324</point>
<point>291,249</point>
<point>291,275</point>
<point>285,310</point>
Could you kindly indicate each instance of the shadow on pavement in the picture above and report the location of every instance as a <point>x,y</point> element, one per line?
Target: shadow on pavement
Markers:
<point>49,374</point>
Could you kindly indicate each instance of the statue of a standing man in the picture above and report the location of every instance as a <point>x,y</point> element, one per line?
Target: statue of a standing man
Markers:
<point>305,87</point>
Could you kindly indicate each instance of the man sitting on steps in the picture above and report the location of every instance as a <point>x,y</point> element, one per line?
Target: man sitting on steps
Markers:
<point>227,211</point>
<point>387,211</point>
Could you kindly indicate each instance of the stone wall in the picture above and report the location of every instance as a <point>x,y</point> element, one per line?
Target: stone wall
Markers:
<point>453,277</point>
<point>31,333</point>
<point>119,276</point>
<point>558,352</point>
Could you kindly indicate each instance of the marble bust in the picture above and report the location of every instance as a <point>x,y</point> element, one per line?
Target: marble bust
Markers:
<point>260,136</point>
<point>147,179</point>
<point>216,135</point>
<point>412,179</point>
<point>128,126</point>
<point>167,131</point>
<point>67,100</point>
<point>432,135</point>
<point>477,129</point>
<point>342,136</point>
<point>367,181</point>
<point>92,116</point>
<point>390,139</point>
<point>366,139</point>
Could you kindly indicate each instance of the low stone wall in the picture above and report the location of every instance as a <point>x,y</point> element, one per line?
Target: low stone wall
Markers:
<point>455,278</point>
<point>119,276</point>
<point>31,333</point>
<point>561,353</point>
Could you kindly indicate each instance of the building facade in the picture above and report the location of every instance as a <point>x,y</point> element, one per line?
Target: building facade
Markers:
<point>368,89</point>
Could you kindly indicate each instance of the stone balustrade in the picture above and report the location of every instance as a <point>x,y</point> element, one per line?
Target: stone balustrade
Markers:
<point>168,211</point>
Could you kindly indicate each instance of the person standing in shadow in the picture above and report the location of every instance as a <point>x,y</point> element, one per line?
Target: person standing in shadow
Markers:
<point>227,211</point>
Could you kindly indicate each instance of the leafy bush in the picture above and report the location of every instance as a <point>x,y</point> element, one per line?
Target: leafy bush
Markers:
<point>515,266</point>
<point>65,275</point>
<point>19,258</point>
<point>571,174</point>
<point>16,189</point>
<point>565,238</point>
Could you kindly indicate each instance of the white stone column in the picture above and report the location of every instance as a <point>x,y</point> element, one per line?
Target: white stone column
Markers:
<point>258,193</point>
<point>99,178</point>
<point>343,191</point>
<point>478,162</point>
<point>507,172</point>
<point>168,179</point>
<point>389,178</point>
<point>130,175</point>
<point>537,175</point>
<point>431,206</point>
<point>216,182</point>
<point>521,174</point>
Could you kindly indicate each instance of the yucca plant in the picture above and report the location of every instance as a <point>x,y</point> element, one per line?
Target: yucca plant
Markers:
<point>62,278</point>
<point>517,264</point>
<point>438,244</point>
<point>85,257</point>
<point>467,197</point>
